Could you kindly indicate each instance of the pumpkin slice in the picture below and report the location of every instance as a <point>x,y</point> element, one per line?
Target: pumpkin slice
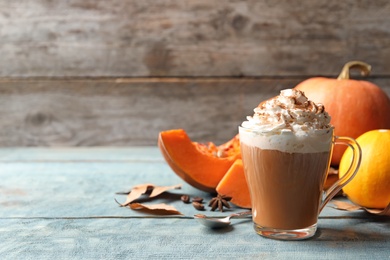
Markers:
<point>234,185</point>
<point>200,165</point>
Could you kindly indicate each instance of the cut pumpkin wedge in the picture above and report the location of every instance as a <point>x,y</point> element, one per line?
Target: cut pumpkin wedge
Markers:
<point>200,165</point>
<point>234,185</point>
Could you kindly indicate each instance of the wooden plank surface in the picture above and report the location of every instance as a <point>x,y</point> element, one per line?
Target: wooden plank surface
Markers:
<point>125,112</point>
<point>118,38</point>
<point>122,112</point>
<point>59,203</point>
<point>116,72</point>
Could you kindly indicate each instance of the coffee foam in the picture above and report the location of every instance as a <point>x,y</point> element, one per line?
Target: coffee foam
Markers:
<point>290,123</point>
<point>291,110</point>
<point>286,141</point>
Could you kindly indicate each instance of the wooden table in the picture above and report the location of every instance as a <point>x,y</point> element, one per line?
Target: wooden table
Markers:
<point>59,203</point>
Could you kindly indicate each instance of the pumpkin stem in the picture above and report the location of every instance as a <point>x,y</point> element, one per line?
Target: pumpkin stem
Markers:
<point>364,68</point>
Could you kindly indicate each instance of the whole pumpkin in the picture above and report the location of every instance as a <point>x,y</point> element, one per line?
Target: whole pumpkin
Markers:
<point>356,106</point>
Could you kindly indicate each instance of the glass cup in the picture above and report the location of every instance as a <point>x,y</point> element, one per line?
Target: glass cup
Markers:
<point>286,175</point>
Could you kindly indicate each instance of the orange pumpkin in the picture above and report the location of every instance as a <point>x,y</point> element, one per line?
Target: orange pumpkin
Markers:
<point>234,185</point>
<point>356,106</point>
<point>200,165</point>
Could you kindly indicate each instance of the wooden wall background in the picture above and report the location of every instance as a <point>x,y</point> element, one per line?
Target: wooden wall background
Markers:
<point>116,72</point>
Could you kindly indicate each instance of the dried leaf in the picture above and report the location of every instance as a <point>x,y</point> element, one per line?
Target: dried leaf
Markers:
<point>384,212</point>
<point>143,189</point>
<point>161,189</point>
<point>136,192</point>
<point>161,209</point>
<point>342,205</point>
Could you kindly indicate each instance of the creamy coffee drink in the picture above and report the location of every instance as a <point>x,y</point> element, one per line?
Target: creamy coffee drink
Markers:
<point>295,202</point>
<point>286,147</point>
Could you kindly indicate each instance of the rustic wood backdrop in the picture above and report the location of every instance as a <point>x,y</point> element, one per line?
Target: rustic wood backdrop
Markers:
<point>116,72</point>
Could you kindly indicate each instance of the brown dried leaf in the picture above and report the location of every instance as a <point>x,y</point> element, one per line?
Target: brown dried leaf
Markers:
<point>161,189</point>
<point>136,192</point>
<point>160,209</point>
<point>142,189</point>
<point>384,212</point>
<point>342,205</point>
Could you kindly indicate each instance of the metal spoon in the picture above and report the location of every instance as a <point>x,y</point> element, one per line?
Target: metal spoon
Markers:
<point>213,222</point>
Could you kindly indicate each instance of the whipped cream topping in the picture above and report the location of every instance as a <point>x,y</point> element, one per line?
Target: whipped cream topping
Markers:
<point>290,111</point>
<point>290,123</point>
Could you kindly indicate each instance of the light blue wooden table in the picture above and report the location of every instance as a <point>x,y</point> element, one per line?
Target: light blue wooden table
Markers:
<point>60,204</point>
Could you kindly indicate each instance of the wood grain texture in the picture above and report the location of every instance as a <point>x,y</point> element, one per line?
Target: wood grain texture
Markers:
<point>121,38</point>
<point>124,112</point>
<point>92,73</point>
<point>59,204</point>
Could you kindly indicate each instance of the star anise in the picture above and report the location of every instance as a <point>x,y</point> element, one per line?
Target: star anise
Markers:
<point>219,202</point>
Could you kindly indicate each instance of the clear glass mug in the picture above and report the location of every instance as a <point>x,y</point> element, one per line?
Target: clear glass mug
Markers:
<point>286,188</point>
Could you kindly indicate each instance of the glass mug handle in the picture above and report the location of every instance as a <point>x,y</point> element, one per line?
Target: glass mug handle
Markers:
<point>352,170</point>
